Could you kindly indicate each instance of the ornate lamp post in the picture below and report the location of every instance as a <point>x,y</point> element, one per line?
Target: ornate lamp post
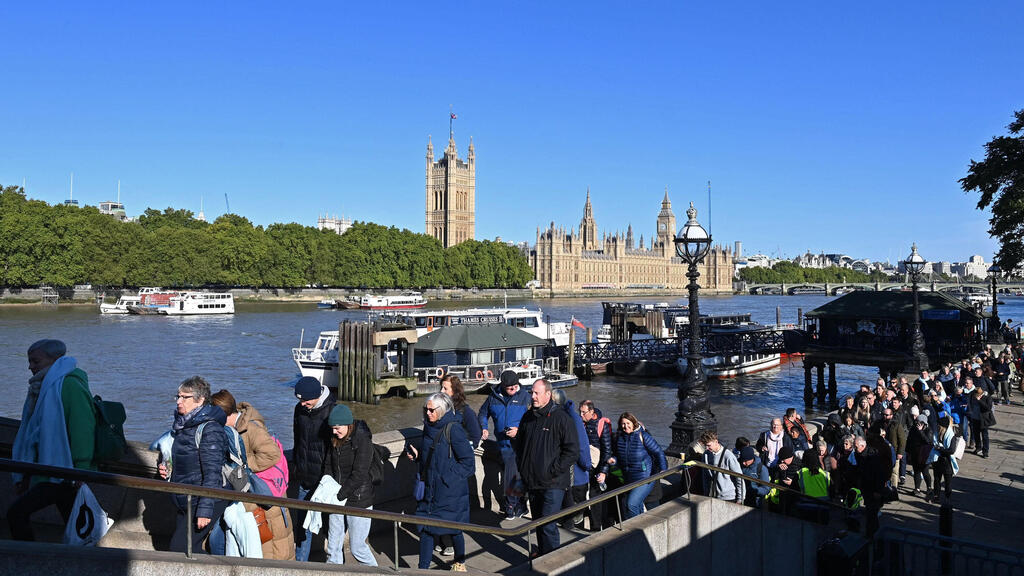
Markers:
<point>919,359</point>
<point>694,413</point>
<point>995,334</point>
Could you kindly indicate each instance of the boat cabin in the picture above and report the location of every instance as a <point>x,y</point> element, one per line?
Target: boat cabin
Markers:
<point>467,344</point>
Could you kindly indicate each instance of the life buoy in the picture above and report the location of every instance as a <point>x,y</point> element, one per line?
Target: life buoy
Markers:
<point>480,374</point>
<point>490,374</point>
<point>526,366</point>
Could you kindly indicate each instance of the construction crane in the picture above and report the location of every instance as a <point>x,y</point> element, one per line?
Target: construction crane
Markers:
<point>227,207</point>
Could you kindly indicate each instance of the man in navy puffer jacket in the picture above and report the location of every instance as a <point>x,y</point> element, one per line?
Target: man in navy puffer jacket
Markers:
<point>506,406</point>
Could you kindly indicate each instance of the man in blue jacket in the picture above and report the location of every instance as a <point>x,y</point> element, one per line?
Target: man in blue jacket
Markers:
<point>577,491</point>
<point>506,406</point>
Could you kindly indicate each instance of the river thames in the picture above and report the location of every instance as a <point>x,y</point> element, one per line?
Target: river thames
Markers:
<point>139,360</point>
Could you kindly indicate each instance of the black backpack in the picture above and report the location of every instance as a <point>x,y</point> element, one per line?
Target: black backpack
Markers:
<point>111,444</point>
<point>378,460</point>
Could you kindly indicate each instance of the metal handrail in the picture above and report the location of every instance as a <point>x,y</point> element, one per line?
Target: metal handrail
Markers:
<point>191,491</point>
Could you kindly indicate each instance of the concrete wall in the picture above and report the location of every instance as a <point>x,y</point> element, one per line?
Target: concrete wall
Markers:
<point>696,536</point>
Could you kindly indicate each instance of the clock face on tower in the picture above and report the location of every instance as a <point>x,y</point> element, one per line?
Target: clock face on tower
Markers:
<point>661,226</point>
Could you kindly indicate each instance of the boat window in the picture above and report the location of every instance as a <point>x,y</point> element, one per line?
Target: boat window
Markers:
<point>481,357</point>
<point>530,322</point>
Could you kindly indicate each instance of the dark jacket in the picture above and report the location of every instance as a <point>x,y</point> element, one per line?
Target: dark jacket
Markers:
<point>467,417</point>
<point>348,462</point>
<point>919,446</point>
<point>756,492</point>
<point>506,412</point>
<point>200,466</point>
<point>762,442</point>
<point>987,417</point>
<point>581,469</point>
<point>602,441</point>
<point>546,446</point>
<point>638,455</point>
<point>444,472</point>
<point>311,434</point>
<point>896,433</point>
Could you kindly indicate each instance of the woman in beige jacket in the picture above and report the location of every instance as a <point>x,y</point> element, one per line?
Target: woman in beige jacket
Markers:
<point>261,452</point>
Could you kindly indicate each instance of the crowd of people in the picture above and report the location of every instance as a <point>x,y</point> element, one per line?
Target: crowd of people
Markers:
<point>554,454</point>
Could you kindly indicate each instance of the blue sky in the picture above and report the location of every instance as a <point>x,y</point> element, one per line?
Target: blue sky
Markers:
<point>822,126</point>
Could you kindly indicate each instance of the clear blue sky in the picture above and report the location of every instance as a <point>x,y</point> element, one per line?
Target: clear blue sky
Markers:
<point>822,126</point>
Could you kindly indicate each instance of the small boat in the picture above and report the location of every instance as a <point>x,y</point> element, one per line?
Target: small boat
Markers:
<point>327,304</point>
<point>732,365</point>
<point>806,290</point>
<point>153,296</point>
<point>405,301</point>
<point>121,307</point>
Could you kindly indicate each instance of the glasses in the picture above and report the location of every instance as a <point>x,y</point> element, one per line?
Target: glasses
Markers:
<point>429,409</point>
<point>182,396</point>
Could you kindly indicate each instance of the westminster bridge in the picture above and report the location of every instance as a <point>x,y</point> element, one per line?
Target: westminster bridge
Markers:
<point>831,288</point>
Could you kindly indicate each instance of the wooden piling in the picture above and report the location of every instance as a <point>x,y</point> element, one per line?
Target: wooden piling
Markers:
<point>355,362</point>
<point>571,352</point>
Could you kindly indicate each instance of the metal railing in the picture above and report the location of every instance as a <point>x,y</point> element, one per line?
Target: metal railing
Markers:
<point>910,552</point>
<point>396,518</point>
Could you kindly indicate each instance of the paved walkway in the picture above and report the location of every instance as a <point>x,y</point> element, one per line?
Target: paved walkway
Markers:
<point>988,493</point>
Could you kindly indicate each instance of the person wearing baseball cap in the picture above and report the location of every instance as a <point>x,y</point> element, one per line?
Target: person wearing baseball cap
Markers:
<point>312,434</point>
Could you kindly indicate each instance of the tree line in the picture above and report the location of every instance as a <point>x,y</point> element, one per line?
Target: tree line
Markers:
<point>791,273</point>
<point>65,245</point>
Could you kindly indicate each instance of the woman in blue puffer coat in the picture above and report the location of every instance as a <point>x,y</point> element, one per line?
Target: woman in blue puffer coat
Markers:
<point>638,455</point>
<point>446,460</point>
<point>196,463</point>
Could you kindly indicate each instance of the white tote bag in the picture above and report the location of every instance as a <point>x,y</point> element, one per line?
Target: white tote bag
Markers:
<point>88,522</point>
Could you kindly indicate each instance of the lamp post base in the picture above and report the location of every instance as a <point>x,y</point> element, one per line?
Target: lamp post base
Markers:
<point>685,431</point>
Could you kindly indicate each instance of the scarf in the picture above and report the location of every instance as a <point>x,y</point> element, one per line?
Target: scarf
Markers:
<point>181,419</point>
<point>35,384</point>
<point>324,393</point>
<point>43,438</point>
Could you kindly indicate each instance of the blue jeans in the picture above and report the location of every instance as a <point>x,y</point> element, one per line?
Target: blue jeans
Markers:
<point>359,529</point>
<point>303,537</point>
<point>635,500</point>
<point>544,503</point>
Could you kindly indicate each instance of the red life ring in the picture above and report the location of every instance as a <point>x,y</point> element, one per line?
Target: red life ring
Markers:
<point>490,374</point>
<point>526,365</point>
<point>480,374</point>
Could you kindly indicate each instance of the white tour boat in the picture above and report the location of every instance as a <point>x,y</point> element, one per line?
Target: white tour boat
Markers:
<point>200,303</point>
<point>121,307</point>
<point>404,301</point>
<point>732,365</point>
<point>530,321</point>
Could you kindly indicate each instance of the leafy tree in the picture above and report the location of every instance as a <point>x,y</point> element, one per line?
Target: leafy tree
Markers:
<point>999,179</point>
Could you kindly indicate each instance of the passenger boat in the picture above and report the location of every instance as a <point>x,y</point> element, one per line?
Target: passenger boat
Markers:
<point>200,303</point>
<point>404,301</point>
<point>530,321</point>
<point>121,307</point>
<point>807,290</point>
<point>732,365</point>
<point>153,296</point>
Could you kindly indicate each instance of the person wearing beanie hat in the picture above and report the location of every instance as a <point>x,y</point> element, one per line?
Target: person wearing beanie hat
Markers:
<point>311,435</point>
<point>752,466</point>
<point>784,472</point>
<point>505,406</point>
<point>308,388</point>
<point>348,462</point>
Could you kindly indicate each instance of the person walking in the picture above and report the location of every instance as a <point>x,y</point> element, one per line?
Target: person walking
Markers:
<point>546,446</point>
<point>348,462</point>
<point>638,455</point>
<point>197,460</point>
<point>599,436</point>
<point>982,418</point>
<point>505,406</point>
<point>445,460</point>
<point>580,476</point>
<point>311,435</point>
<point>451,385</point>
<point>261,453</point>
<point>719,484</point>
<point>57,428</point>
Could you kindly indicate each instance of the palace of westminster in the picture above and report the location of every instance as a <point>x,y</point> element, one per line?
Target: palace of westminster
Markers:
<point>576,259</point>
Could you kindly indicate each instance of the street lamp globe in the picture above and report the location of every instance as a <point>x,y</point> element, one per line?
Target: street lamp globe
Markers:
<point>995,270</point>
<point>914,263</point>
<point>692,242</point>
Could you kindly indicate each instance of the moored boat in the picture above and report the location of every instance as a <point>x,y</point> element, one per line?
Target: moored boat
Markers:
<point>121,307</point>
<point>530,321</point>
<point>408,300</point>
<point>200,303</point>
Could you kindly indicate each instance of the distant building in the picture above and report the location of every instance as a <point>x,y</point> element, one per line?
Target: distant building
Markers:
<point>942,268</point>
<point>115,209</point>
<point>451,194</point>
<point>336,225</point>
<point>576,260</point>
<point>975,267</point>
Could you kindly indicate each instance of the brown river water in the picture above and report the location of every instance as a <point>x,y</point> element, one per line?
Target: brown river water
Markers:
<point>139,360</point>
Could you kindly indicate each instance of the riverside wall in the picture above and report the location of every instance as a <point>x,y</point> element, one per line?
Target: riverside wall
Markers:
<point>10,295</point>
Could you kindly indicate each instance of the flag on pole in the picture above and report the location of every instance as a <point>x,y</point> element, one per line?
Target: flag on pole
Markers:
<point>454,116</point>
<point>577,324</point>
